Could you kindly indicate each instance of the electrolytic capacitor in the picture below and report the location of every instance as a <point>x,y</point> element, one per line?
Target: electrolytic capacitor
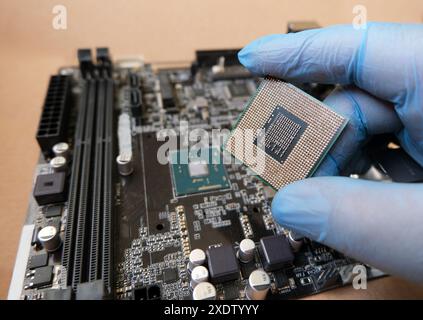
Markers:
<point>124,162</point>
<point>204,291</point>
<point>246,250</point>
<point>59,164</point>
<point>50,238</point>
<point>198,275</point>
<point>258,285</point>
<point>197,257</point>
<point>61,149</point>
<point>295,240</point>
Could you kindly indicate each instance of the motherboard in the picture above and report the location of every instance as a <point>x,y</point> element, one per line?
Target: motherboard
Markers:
<point>115,215</point>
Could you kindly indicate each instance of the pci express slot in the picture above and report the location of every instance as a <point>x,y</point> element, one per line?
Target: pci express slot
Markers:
<point>87,247</point>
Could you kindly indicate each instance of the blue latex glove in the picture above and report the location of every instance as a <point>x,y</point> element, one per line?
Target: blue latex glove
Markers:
<point>381,73</point>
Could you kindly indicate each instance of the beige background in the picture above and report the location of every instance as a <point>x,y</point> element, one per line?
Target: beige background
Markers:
<point>163,31</point>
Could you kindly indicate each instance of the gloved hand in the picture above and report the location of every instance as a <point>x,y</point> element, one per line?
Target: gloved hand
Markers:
<point>381,73</point>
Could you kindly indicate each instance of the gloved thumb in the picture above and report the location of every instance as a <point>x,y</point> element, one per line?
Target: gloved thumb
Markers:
<point>380,224</point>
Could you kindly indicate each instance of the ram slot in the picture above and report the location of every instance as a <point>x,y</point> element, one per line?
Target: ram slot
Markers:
<point>100,252</point>
<point>82,244</point>
<point>108,188</point>
<point>74,198</point>
<point>97,208</point>
<point>87,254</point>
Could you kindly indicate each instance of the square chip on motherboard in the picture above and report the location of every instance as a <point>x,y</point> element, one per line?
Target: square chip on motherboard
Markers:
<point>203,174</point>
<point>284,133</point>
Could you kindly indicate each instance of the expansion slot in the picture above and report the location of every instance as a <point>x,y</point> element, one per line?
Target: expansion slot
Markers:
<point>87,246</point>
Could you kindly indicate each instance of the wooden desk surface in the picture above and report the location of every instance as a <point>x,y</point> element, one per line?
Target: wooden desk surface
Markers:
<point>30,50</point>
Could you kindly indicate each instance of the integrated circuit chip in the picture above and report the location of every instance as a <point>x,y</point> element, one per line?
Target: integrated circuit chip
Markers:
<point>170,275</point>
<point>284,133</point>
<point>202,174</point>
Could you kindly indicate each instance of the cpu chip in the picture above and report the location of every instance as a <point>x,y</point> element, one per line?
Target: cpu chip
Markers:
<point>284,133</point>
<point>192,176</point>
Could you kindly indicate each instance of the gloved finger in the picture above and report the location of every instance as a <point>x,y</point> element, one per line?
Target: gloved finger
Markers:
<point>319,55</point>
<point>376,223</point>
<point>367,115</point>
<point>380,59</point>
<point>384,60</point>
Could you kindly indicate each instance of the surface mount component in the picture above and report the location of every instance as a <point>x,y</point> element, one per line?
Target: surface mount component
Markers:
<point>276,252</point>
<point>38,260</point>
<point>50,188</point>
<point>295,240</point>
<point>204,291</point>
<point>223,265</point>
<point>246,250</point>
<point>50,238</point>
<point>61,149</point>
<point>59,164</point>
<point>40,277</point>
<point>170,275</point>
<point>284,133</point>
<point>198,275</point>
<point>203,174</point>
<point>197,257</point>
<point>124,163</point>
<point>258,285</point>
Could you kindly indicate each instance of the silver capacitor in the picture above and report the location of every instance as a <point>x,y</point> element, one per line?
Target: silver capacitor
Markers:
<point>295,240</point>
<point>246,250</point>
<point>124,163</point>
<point>204,291</point>
<point>197,257</point>
<point>61,149</point>
<point>50,239</point>
<point>198,275</point>
<point>258,285</point>
<point>59,164</point>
